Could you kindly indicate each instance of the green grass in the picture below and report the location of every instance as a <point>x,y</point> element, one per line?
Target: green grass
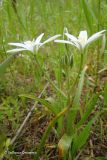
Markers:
<point>66,101</point>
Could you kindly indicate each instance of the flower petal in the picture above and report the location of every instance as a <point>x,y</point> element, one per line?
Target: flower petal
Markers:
<point>38,39</point>
<point>83,34</point>
<point>71,37</point>
<point>30,45</point>
<point>74,40</point>
<point>16,50</point>
<point>51,39</point>
<point>95,36</point>
<point>83,38</point>
<point>17,44</point>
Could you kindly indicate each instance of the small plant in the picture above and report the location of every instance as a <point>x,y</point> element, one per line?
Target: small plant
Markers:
<point>69,73</point>
<point>74,135</point>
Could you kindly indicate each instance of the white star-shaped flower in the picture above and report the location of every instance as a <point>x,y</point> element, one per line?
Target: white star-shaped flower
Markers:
<point>31,45</point>
<point>82,41</point>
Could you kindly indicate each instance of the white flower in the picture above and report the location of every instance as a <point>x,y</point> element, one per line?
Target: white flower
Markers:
<point>82,41</point>
<point>31,45</point>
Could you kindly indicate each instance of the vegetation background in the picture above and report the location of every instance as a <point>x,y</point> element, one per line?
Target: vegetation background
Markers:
<point>22,20</point>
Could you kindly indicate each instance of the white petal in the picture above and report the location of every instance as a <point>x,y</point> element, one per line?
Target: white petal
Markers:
<point>78,45</point>
<point>38,39</point>
<point>71,37</point>
<point>83,34</point>
<point>68,42</point>
<point>29,45</point>
<point>16,50</point>
<point>51,39</point>
<point>95,36</point>
<point>17,44</point>
<point>74,40</point>
<point>83,38</point>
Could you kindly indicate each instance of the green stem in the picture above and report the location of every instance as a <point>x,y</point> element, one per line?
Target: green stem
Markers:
<point>68,83</point>
<point>68,73</point>
<point>70,117</point>
<point>80,68</point>
<point>98,50</point>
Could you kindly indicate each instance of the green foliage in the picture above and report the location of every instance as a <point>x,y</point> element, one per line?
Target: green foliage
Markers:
<point>81,139</point>
<point>76,103</point>
<point>71,98</point>
<point>89,108</point>
<point>89,14</point>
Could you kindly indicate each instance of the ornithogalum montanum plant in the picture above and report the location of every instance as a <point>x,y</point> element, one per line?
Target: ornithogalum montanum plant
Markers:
<point>82,41</point>
<point>31,46</point>
<point>70,127</point>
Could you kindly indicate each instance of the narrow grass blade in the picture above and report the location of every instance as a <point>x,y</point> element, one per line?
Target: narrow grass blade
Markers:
<point>89,14</point>
<point>76,103</point>
<point>90,106</point>
<point>48,129</point>
<point>81,139</point>
<point>42,101</point>
<point>80,87</point>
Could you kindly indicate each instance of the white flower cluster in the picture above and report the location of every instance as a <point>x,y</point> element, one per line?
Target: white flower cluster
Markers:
<point>81,42</point>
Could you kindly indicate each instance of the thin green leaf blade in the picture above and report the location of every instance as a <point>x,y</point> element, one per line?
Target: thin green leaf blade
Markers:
<point>81,139</point>
<point>42,101</point>
<point>90,106</point>
<point>89,14</point>
<point>75,107</point>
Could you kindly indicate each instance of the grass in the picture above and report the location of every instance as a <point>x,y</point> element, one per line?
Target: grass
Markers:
<point>69,119</point>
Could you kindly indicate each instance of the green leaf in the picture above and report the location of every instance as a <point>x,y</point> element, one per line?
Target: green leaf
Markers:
<point>47,131</point>
<point>89,14</point>
<point>89,107</point>
<point>75,107</point>
<point>42,101</point>
<point>80,87</point>
<point>64,145</point>
<point>80,140</point>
